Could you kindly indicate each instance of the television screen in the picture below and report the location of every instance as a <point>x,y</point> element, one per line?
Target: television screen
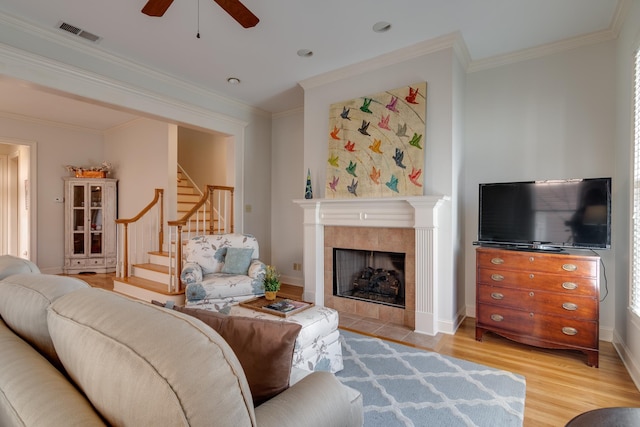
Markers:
<point>546,214</point>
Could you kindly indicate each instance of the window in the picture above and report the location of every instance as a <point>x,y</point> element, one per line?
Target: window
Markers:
<point>635,284</point>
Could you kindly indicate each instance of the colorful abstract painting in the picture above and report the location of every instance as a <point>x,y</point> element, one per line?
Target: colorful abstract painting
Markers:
<point>376,144</point>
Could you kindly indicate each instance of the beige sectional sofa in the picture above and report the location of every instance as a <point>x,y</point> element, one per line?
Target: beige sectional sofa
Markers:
<point>71,355</point>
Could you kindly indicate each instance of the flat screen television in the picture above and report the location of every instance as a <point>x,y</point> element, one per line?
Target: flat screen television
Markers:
<point>546,215</point>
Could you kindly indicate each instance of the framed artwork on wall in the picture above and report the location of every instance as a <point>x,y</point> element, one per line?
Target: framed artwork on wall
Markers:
<point>376,144</point>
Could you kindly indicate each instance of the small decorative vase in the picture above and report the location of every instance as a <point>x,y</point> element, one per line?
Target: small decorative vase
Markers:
<point>270,295</point>
<point>308,192</point>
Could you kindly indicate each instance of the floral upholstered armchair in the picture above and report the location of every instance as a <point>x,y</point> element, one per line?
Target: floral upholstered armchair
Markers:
<point>221,270</point>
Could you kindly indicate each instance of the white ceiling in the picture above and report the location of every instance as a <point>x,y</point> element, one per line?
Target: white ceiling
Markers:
<point>264,57</point>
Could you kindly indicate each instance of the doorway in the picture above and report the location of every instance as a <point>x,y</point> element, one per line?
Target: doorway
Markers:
<point>15,199</point>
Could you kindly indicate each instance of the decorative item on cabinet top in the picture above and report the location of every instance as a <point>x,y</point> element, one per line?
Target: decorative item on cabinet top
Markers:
<point>90,171</point>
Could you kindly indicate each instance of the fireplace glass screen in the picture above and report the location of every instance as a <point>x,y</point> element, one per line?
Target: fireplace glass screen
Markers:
<point>369,275</point>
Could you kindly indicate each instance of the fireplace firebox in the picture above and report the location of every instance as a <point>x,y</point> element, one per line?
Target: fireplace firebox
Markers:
<point>373,276</point>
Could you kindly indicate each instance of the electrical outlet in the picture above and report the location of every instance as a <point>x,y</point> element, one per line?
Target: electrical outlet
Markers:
<point>297,266</point>
<point>248,208</point>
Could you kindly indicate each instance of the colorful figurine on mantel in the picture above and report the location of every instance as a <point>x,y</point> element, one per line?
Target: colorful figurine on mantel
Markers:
<point>308,192</point>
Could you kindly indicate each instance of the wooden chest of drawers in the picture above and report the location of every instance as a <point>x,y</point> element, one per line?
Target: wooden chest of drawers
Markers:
<point>547,300</point>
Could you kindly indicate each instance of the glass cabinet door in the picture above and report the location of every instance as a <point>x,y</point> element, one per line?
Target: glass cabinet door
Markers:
<point>95,212</point>
<point>79,220</point>
<point>87,219</point>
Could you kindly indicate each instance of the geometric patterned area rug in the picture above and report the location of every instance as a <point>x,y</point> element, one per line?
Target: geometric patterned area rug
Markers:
<point>406,386</point>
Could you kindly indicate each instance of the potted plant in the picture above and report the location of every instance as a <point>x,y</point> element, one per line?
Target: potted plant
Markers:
<point>271,283</point>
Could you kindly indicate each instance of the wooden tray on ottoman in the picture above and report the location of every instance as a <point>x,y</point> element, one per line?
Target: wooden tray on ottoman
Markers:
<point>283,307</point>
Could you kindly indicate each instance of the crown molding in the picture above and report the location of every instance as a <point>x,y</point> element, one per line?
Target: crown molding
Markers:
<point>619,16</point>
<point>66,78</point>
<point>404,54</point>
<point>610,33</point>
<point>287,113</point>
<point>51,123</point>
<point>98,54</point>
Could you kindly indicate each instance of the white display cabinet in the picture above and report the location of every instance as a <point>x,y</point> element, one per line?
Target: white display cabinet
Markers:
<point>90,228</point>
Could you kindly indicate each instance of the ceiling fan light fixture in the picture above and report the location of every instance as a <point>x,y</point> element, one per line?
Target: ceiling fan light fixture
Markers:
<point>381,27</point>
<point>305,53</point>
<point>233,80</point>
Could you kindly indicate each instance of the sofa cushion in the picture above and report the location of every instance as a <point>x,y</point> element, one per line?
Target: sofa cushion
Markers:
<point>24,299</point>
<point>143,365</point>
<point>264,348</point>
<point>10,265</point>
<point>34,393</point>
<point>209,250</point>
<point>191,273</point>
<point>221,285</point>
<point>237,260</point>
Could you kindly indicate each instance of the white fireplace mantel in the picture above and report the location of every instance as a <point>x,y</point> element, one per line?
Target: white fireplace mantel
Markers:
<point>423,213</point>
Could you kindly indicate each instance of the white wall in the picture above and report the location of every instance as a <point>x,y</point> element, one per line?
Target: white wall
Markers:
<point>287,184</point>
<point>56,147</point>
<point>627,324</point>
<point>546,118</point>
<point>257,183</point>
<point>139,153</point>
<point>441,171</point>
<point>203,156</point>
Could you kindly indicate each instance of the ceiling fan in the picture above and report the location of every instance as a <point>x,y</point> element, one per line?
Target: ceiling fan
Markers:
<point>237,10</point>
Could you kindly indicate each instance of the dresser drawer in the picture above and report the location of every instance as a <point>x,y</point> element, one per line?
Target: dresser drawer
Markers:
<point>542,281</point>
<point>95,262</point>
<point>555,329</point>
<point>74,262</point>
<point>549,263</point>
<point>572,306</point>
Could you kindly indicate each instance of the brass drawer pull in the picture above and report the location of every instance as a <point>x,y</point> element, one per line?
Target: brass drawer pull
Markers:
<point>567,330</point>
<point>497,261</point>
<point>569,267</point>
<point>497,295</point>
<point>497,277</point>
<point>497,318</point>
<point>570,306</point>
<point>570,286</point>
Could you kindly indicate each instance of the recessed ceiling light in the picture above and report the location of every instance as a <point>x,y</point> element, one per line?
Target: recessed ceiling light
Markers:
<point>305,53</point>
<point>381,27</point>
<point>233,80</point>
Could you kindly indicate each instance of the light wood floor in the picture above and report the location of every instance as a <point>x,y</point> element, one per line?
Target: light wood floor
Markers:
<point>560,385</point>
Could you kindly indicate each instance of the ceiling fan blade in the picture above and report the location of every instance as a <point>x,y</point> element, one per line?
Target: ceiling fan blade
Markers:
<point>239,12</point>
<point>156,7</point>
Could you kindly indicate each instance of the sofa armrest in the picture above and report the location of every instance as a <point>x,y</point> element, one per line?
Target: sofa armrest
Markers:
<point>191,273</point>
<point>319,399</point>
<point>257,268</point>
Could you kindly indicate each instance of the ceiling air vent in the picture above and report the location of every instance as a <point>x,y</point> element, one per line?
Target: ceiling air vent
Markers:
<point>78,32</point>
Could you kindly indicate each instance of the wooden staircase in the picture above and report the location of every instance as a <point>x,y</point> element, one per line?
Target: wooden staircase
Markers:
<point>149,280</point>
<point>188,196</point>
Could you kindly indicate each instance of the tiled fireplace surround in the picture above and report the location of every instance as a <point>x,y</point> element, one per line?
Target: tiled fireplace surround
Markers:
<point>403,224</point>
<point>400,240</point>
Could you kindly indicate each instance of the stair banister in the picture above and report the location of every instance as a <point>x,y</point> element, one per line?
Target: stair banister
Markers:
<point>210,190</point>
<point>157,200</point>
<point>182,222</point>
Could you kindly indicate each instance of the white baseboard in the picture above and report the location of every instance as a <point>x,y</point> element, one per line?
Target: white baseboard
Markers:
<point>625,355</point>
<point>292,280</point>
<point>451,326</point>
